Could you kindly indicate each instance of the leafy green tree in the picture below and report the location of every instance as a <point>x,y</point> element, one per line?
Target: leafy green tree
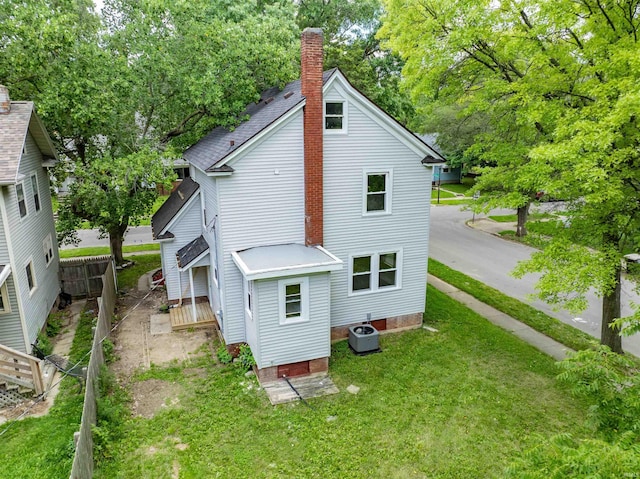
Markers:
<point>125,89</point>
<point>554,79</point>
<point>350,44</point>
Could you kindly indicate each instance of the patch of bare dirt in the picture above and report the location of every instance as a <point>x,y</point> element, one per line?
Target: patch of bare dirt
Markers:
<point>137,349</point>
<point>150,396</point>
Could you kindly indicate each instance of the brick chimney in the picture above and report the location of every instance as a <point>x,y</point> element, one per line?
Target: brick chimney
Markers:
<point>5,101</point>
<point>311,87</point>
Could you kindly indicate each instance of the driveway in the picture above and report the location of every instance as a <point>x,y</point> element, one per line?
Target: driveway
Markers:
<point>490,259</point>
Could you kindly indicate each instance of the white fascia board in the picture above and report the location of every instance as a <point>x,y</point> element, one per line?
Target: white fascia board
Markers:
<point>194,263</point>
<point>269,130</point>
<point>334,265</point>
<point>6,271</point>
<point>383,118</point>
<point>180,212</point>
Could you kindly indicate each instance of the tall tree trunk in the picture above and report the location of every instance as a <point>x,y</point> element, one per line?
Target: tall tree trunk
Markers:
<point>116,237</point>
<point>611,310</point>
<point>523,214</point>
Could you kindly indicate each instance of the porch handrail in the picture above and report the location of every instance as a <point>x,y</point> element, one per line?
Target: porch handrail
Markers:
<point>31,378</point>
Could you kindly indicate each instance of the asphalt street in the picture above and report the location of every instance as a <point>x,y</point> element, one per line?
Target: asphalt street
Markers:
<point>135,235</point>
<point>490,259</point>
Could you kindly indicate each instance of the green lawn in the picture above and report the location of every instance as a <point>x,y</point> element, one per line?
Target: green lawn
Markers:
<point>128,277</point>
<point>514,218</point>
<point>443,194</point>
<point>42,447</point>
<point>561,332</point>
<point>102,250</point>
<point>459,403</point>
<point>460,188</point>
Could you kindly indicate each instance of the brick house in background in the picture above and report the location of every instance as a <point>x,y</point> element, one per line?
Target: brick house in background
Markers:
<point>309,217</point>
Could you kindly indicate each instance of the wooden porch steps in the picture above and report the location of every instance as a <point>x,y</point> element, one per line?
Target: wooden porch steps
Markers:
<point>181,317</point>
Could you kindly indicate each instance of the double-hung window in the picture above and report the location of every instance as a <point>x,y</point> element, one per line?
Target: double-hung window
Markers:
<point>377,192</point>
<point>248,298</point>
<point>375,272</point>
<point>294,300</point>
<point>22,203</point>
<point>36,192</point>
<point>335,117</point>
<point>5,306</point>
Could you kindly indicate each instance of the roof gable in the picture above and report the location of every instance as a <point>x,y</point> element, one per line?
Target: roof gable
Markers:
<point>213,151</point>
<point>14,126</point>
<point>170,208</point>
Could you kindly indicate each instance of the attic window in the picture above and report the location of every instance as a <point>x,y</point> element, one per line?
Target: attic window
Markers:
<point>333,115</point>
<point>22,204</point>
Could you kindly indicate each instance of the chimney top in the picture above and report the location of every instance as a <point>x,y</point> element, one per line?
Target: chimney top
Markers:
<point>5,101</point>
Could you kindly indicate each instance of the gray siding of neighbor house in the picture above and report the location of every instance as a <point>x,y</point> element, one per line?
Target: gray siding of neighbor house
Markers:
<point>262,203</point>
<point>211,232</point>
<point>187,226</point>
<point>10,327</point>
<point>289,343</point>
<point>27,236</point>
<point>348,232</point>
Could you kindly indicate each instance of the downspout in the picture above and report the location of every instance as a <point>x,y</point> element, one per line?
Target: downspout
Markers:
<point>179,282</point>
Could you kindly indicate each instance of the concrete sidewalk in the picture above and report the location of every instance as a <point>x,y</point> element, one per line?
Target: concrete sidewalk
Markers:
<point>544,343</point>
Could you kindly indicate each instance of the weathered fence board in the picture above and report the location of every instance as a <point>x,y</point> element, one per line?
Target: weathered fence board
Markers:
<point>83,459</point>
<point>82,277</point>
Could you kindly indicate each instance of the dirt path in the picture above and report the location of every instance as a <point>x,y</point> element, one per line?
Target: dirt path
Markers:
<point>137,349</point>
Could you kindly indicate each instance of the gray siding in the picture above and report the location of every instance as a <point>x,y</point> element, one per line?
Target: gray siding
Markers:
<point>10,327</point>
<point>211,232</point>
<point>347,232</point>
<point>262,203</point>
<point>26,240</point>
<point>289,343</point>
<point>186,228</point>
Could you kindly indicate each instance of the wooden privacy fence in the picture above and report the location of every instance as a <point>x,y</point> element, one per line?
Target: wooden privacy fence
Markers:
<point>82,277</point>
<point>21,369</point>
<point>83,459</point>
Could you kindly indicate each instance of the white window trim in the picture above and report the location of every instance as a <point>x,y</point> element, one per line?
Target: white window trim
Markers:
<point>37,190</point>
<point>24,196</point>
<point>248,291</point>
<point>29,263</point>
<point>345,117</point>
<point>388,191</point>
<point>4,292</point>
<point>304,298</point>
<point>47,245</point>
<point>375,269</point>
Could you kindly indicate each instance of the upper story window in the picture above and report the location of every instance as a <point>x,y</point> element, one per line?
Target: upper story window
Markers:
<point>375,272</point>
<point>22,204</point>
<point>5,305</point>
<point>36,192</point>
<point>47,247</point>
<point>377,192</point>
<point>294,300</point>
<point>31,280</point>
<point>335,117</point>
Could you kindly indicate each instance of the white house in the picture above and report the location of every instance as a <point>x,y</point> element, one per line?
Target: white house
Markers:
<point>28,248</point>
<point>309,217</point>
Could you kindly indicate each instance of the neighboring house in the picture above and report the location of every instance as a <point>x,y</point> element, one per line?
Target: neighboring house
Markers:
<point>28,247</point>
<point>309,217</point>
<point>442,173</point>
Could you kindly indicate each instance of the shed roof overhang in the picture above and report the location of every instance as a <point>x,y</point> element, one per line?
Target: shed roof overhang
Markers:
<point>267,262</point>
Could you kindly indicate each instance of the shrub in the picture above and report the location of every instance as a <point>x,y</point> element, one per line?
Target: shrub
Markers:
<point>44,343</point>
<point>245,357</point>
<point>223,355</point>
<point>54,324</point>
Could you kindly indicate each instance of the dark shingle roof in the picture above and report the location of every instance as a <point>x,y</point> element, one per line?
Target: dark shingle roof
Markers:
<point>170,208</point>
<point>273,104</point>
<point>191,251</point>
<point>13,131</point>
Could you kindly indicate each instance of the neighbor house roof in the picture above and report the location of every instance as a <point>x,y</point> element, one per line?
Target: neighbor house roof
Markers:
<point>220,142</point>
<point>192,251</point>
<point>14,126</point>
<point>171,207</point>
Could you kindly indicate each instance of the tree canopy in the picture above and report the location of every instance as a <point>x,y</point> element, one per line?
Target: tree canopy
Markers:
<point>557,82</point>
